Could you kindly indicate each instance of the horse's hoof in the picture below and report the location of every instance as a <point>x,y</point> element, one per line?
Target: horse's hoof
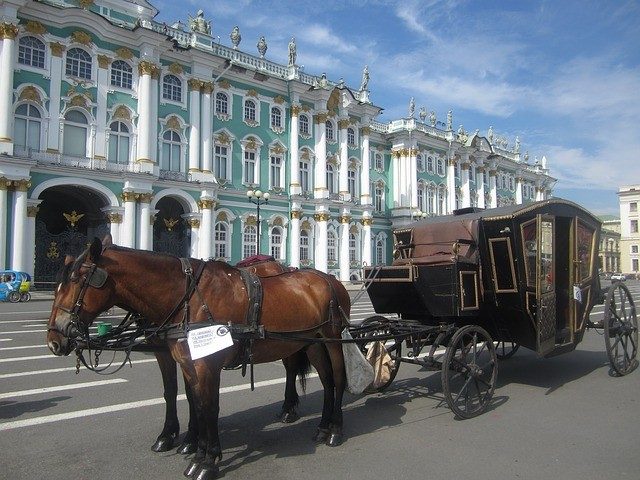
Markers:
<point>191,469</point>
<point>334,440</point>
<point>206,473</point>
<point>289,417</point>
<point>163,444</point>
<point>187,448</point>
<point>321,435</point>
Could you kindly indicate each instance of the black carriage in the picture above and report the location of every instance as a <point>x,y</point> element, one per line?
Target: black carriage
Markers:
<point>477,285</point>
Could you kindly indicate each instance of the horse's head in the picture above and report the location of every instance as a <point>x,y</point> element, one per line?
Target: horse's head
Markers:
<point>83,292</point>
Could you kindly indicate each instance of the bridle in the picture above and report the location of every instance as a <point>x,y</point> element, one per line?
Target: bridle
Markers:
<point>95,277</point>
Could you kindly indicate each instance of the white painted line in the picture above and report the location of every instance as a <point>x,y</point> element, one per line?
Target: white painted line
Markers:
<point>29,422</point>
<point>23,331</point>
<point>58,388</point>
<point>24,347</point>
<point>6,339</point>
<point>44,321</point>
<point>56,370</point>
<point>21,359</point>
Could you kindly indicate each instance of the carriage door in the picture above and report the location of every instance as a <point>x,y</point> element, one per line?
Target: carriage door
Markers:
<point>546,285</point>
<point>583,271</point>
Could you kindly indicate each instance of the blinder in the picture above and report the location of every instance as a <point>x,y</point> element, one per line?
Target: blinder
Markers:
<point>98,278</point>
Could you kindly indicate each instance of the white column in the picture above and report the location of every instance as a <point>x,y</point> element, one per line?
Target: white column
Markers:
<point>127,232</point>
<point>365,187</point>
<point>194,223</point>
<point>153,125</point>
<point>206,228</point>
<point>115,221</point>
<point>320,246</point>
<point>493,190</point>
<point>146,141</point>
<point>53,135</point>
<point>207,130</point>
<point>345,218</point>
<point>30,243</point>
<point>320,183</point>
<point>366,241</point>
<point>4,207</point>
<point>194,120</point>
<point>413,176</point>
<point>451,185</point>
<point>145,235</point>
<point>519,189</point>
<point>8,33</point>
<point>295,187</point>
<point>343,189</point>
<point>294,239</point>
<point>19,233</point>
<point>100,149</point>
<point>465,184</point>
<point>395,159</point>
<point>480,185</point>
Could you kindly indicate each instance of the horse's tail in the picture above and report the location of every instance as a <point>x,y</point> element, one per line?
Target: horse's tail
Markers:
<point>302,368</point>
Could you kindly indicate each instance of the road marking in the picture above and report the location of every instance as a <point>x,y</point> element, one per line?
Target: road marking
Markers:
<point>41,345</point>
<point>43,320</point>
<point>29,422</point>
<point>23,331</point>
<point>20,359</point>
<point>6,339</point>
<point>56,370</point>
<point>58,388</point>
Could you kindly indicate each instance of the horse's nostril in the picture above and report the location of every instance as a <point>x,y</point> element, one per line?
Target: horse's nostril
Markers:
<point>54,347</point>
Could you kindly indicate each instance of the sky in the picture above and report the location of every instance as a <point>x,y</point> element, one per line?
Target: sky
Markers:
<point>563,76</point>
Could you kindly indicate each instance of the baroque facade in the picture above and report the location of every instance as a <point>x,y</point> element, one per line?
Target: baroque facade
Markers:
<point>629,197</point>
<point>113,122</point>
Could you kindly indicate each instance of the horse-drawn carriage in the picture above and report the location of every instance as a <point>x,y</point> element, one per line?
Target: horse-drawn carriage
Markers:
<point>472,287</point>
<point>482,283</point>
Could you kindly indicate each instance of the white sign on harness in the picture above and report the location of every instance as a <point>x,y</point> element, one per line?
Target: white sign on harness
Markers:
<point>207,340</point>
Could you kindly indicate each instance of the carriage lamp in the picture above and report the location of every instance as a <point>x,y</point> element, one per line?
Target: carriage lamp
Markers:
<point>419,215</point>
<point>258,197</point>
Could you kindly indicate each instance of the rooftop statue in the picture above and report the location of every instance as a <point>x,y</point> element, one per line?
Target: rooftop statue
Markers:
<point>432,118</point>
<point>292,51</point>
<point>490,134</point>
<point>365,79</point>
<point>235,37</point>
<point>412,107</point>
<point>449,120</point>
<point>262,46</point>
<point>199,24</point>
<point>422,114</point>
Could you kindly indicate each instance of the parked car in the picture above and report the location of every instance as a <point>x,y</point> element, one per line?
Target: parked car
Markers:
<point>618,277</point>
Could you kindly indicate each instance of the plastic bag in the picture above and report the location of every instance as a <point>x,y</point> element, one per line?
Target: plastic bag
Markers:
<point>359,370</point>
<point>381,361</point>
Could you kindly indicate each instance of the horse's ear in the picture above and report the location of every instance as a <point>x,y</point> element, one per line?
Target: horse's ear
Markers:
<point>69,259</point>
<point>107,241</point>
<point>95,250</point>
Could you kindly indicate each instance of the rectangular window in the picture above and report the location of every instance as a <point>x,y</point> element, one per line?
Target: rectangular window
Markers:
<point>634,226</point>
<point>504,277</point>
<point>220,161</point>
<point>634,248</point>
<point>634,264</point>
<point>633,207</point>
<point>276,167</point>
<point>304,176</point>
<point>249,167</point>
<point>351,182</point>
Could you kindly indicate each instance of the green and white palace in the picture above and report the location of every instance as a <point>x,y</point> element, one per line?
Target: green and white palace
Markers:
<point>113,122</point>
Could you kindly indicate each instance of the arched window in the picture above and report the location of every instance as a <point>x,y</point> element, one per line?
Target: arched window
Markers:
<point>31,52</point>
<point>440,167</point>
<point>353,241</point>
<point>431,199</point>
<point>27,126</point>
<point>220,241</point>
<point>171,151</point>
<point>172,88</point>
<point>379,162</point>
<point>380,249</point>
<point>352,175</point>
<point>420,163</point>
<point>331,179</point>
<point>119,142</point>
<point>430,164</point>
<point>276,243</point>
<point>249,238</point>
<point>332,249</point>
<point>250,110</point>
<point>304,245</point>
<point>121,74</point>
<point>222,104</point>
<point>351,136</point>
<point>76,128</point>
<point>331,134</point>
<point>276,118</point>
<point>305,183</point>
<point>303,125</point>
<point>78,63</point>
<point>421,196</point>
<point>379,197</point>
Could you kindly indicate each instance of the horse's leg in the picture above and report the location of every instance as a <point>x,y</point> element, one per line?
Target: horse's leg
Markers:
<point>189,444</point>
<point>296,364</point>
<point>319,358</point>
<point>171,428</point>
<point>340,382</point>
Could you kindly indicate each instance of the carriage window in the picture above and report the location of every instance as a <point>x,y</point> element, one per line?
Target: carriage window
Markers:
<point>504,276</point>
<point>529,251</point>
<point>585,249</point>
<point>546,257</point>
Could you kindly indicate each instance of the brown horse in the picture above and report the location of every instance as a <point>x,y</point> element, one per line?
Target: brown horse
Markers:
<point>305,303</point>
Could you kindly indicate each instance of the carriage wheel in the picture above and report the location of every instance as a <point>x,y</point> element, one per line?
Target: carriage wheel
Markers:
<point>621,329</point>
<point>393,347</point>
<point>469,371</point>
<point>14,296</point>
<point>506,349</point>
<point>25,297</point>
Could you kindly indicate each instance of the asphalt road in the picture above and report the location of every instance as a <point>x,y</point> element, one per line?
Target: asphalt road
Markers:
<point>564,417</point>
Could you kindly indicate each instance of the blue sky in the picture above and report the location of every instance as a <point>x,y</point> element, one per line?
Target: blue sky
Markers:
<point>564,76</point>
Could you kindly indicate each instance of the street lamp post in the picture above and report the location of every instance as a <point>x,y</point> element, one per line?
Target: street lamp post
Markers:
<point>257,197</point>
<point>419,215</point>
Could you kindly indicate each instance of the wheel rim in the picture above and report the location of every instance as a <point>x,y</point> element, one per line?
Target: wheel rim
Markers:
<point>621,329</point>
<point>506,349</point>
<point>469,371</point>
<point>393,347</point>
